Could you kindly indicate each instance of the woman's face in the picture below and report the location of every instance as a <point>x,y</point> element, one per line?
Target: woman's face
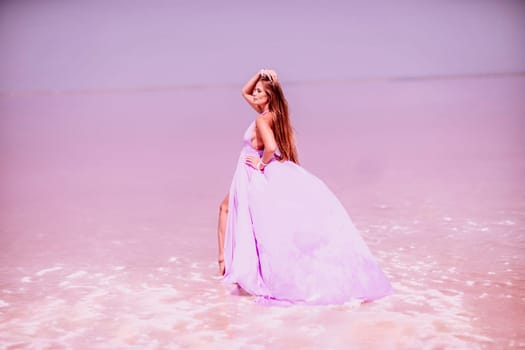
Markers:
<point>260,97</point>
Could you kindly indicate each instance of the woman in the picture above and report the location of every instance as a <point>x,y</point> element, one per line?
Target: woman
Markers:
<point>283,235</point>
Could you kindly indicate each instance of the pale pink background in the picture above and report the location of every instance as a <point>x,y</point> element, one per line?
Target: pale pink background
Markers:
<point>120,125</point>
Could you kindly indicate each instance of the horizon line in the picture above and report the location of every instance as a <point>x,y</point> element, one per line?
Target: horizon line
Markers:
<point>162,88</point>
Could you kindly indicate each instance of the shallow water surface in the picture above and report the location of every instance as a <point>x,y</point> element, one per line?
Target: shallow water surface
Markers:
<point>108,207</point>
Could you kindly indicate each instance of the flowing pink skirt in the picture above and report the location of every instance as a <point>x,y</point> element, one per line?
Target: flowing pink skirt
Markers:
<point>288,238</point>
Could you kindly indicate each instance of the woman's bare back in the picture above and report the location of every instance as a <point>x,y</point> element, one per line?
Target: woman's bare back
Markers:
<point>256,139</point>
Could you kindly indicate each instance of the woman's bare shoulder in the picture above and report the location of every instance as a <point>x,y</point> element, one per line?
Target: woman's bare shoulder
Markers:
<point>266,118</point>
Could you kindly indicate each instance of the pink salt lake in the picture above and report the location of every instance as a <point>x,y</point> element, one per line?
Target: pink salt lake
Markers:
<point>108,205</point>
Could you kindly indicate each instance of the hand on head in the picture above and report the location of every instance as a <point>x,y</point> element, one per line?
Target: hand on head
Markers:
<point>268,73</point>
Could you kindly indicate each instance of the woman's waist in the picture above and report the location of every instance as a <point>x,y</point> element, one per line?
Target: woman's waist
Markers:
<point>249,150</point>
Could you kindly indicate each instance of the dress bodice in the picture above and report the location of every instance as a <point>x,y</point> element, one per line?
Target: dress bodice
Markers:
<point>248,134</point>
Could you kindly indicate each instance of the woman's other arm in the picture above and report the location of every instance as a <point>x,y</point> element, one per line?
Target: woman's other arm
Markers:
<point>264,129</point>
<point>270,145</point>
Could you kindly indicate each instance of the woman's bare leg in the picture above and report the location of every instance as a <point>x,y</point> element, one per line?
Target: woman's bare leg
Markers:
<point>221,231</point>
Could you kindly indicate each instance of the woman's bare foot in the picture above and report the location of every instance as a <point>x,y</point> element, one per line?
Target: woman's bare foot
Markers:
<point>222,267</point>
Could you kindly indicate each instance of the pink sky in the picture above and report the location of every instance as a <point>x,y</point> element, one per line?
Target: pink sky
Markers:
<point>58,45</point>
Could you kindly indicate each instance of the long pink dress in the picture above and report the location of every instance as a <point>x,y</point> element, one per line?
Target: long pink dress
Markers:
<point>289,239</point>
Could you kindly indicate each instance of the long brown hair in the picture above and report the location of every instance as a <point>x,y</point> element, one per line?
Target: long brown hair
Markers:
<point>281,126</point>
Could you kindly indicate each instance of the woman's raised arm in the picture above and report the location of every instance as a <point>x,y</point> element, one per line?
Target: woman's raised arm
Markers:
<point>247,91</point>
